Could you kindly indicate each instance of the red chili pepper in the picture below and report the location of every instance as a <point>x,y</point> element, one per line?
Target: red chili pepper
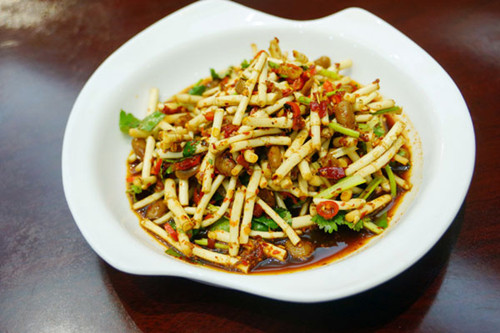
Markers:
<point>297,84</point>
<point>168,228</point>
<point>327,209</point>
<point>209,115</point>
<point>297,120</point>
<point>228,129</point>
<point>156,167</point>
<point>168,110</point>
<point>311,71</point>
<point>130,179</point>
<point>257,210</point>
<point>188,163</point>
<point>197,195</point>
<point>334,173</point>
<point>337,98</point>
<point>211,243</point>
<point>241,160</point>
<point>328,86</point>
<point>320,108</point>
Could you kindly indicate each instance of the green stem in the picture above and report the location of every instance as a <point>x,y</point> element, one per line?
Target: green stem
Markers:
<point>342,185</point>
<point>344,130</point>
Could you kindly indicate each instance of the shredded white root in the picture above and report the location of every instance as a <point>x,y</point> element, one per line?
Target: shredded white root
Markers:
<point>355,215</point>
<point>250,197</point>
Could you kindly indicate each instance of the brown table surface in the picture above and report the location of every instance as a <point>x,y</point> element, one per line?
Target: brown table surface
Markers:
<point>52,281</point>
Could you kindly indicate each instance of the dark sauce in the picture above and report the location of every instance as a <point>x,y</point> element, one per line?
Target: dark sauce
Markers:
<point>331,247</point>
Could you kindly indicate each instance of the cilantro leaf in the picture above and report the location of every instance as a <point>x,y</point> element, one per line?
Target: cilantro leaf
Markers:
<point>214,74</point>
<point>284,214</point>
<point>332,225</point>
<point>381,220</point>
<point>198,89</point>
<point>324,224</point>
<point>245,64</point>
<point>189,148</point>
<point>259,226</point>
<point>127,121</point>
<point>356,227</point>
<point>269,223</point>
<point>148,123</point>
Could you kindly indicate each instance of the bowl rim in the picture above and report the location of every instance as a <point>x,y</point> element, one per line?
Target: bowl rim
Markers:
<point>257,284</point>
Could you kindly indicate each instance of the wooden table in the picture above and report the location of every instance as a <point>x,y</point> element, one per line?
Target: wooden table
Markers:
<point>52,281</point>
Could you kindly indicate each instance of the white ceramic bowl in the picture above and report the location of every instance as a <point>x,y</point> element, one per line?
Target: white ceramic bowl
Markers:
<point>178,50</point>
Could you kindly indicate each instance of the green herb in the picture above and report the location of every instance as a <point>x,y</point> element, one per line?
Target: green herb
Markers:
<point>369,225</point>
<point>356,227</point>
<point>127,121</point>
<point>269,223</point>
<point>221,224</point>
<point>304,67</point>
<point>170,169</point>
<point>331,93</point>
<point>364,127</point>
<point>198,89</point>
<point>257,226</point>
<point>392,180</point>
<point>342,185</point>
<point>192,233</point>
<point>362,146</point>
<point>304,100</point>
<point>212,208</point>
<point>331,225</point>
<point>370,188</point>
<point>150,122</point>
<point>173,253</point>
<point>284,214</point>
<point>189,148</point>
<point>273,65</point>
<point>378,130</point>
<point>216,76</point>
<point>329,74</point>
<point>403,152</point>
<point>381,221</point>
<point>394,109</point>
<point>171,222</point>
<point>204,242</point>
<point>245,64</point>
<point>344,130</point>
<point>136,189</point>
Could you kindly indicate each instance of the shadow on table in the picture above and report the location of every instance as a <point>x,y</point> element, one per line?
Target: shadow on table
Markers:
<point>180,305</point>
